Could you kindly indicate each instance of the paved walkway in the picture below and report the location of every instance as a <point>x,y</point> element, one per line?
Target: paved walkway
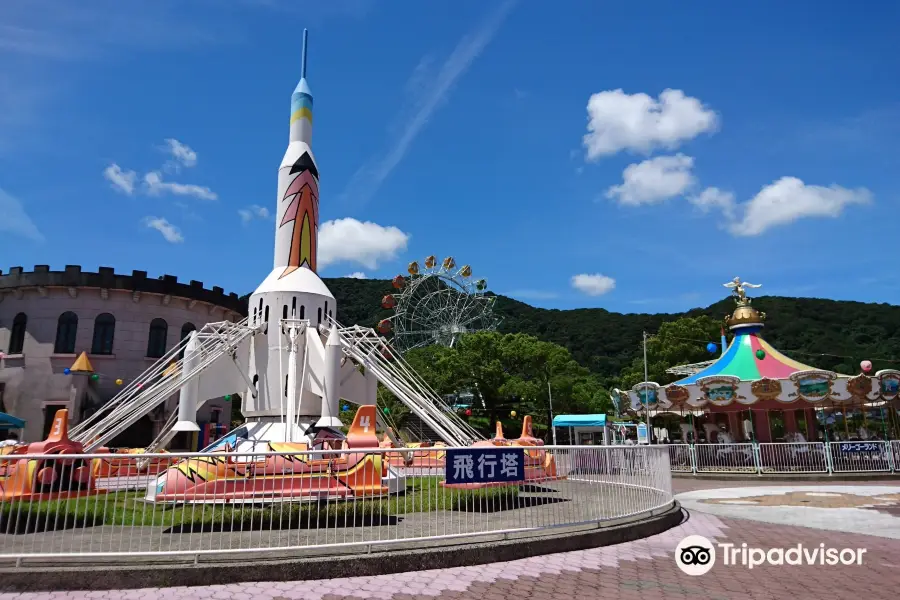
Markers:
<point>646,569</point>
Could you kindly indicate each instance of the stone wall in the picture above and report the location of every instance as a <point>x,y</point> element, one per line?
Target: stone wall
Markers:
<point>34,378</point>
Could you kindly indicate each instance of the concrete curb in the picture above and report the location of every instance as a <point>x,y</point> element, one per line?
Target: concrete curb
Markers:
<point>823,477</point>
<point>43,579</point>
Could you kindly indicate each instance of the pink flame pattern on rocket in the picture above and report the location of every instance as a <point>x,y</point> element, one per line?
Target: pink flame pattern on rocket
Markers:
<point>303,211</point>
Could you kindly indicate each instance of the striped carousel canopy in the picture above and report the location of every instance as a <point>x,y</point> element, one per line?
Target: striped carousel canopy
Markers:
<point>741,360</point>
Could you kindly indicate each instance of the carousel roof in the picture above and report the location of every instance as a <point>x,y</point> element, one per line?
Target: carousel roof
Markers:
<point>740,360</point>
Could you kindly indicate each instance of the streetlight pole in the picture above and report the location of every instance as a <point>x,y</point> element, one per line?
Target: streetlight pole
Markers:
<point>646,394</point>
<point>550,396</point>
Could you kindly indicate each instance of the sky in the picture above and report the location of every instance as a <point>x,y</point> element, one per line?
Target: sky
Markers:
<point>629,156</point>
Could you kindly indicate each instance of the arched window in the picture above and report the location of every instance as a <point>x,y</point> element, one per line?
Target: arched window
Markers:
<point>320,316</point>
<point>156,343</point>
<point>17,335</point>
<point>104,332</point>
<point>66,330</point>
<point>186,330</point>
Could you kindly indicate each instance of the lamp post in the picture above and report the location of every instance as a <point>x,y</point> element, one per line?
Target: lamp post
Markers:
<point>550,396</point>
<point>646,395</point>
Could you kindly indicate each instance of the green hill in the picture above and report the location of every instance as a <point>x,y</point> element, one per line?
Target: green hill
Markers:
<point>827,334</point>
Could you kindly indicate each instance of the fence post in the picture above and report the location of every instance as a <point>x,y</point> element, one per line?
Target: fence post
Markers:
<point>757,461</point>
<point>692,452</point>
<point>829,465</point>
<point>890,456</point>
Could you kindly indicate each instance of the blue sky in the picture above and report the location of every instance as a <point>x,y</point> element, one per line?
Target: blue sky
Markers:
<point>539,146</point>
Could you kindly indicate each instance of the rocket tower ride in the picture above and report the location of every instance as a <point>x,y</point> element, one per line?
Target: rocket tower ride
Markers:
<point>289,359</point>
<point>293,305</point>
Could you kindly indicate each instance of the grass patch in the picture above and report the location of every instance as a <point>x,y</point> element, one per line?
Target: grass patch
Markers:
<point>127,509</point>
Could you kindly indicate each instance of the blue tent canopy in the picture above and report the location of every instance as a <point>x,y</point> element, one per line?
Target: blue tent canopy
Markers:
<point>579,421</point>
<point>10,422</point>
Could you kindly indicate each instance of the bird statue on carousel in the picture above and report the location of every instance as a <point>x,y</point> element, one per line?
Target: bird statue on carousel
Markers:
<point>737,289</point>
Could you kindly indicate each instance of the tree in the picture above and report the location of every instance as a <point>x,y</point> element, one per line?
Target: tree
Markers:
<point>538,369</point>
<point>394,412</point>
<point>475,363</point>
<point>678,342</point>
<point>515,370</point>
<point>431,363</point>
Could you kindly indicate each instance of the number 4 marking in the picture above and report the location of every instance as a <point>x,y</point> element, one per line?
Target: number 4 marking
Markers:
<point>364,421</point>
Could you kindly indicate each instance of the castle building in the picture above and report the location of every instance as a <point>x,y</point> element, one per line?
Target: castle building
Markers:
<point>124,323</point>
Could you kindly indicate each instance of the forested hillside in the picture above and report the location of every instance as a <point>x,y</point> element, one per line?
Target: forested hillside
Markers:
<point>826,334</point>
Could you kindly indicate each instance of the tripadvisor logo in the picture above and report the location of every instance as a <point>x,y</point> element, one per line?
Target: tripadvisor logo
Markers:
<point>696,555</point>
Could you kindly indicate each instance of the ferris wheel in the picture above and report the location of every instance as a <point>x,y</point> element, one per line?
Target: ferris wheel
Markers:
<point>435,305</point>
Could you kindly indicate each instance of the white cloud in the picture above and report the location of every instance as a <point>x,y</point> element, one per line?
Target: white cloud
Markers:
<point>364,243</point>
<point>427,95</point>
<point>120,179</point>
<point>254,211</point>
<point>654,180</point>
<point>356,275</point>
<point>593,285</point>
<point>168,231</point>
<point>638,123</point>
<point>182,154</point>
<point>156,186</point>
<point>713,198</point>
<point>15,220</point>
<point>789,199</point>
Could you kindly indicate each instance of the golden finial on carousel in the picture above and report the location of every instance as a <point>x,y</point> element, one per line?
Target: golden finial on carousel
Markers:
<point>744,315</point>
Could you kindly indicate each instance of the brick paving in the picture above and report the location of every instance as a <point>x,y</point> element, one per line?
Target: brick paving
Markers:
<point>640,570</point>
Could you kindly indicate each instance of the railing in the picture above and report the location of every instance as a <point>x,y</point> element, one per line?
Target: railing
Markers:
<point>786,458</point>
<point>190,506</point>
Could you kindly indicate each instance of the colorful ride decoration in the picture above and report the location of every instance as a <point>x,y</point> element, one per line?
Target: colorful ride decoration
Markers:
<point>122,463</point>
<point>751,373</point>
<point>436,304</point>
<point>226,476</point>
<point>429,456</point>
<point>50,478</point>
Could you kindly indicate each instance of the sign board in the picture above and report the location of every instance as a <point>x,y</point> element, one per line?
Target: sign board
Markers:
<point>642,433</point>
<point>485,465</point>
<point>854,447</point>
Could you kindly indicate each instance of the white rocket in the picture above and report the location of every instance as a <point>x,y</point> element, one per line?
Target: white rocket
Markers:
<point>293,290</point>
<point>187,397</point>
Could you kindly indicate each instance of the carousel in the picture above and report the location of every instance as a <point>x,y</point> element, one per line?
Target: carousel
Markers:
<point>754,393</point>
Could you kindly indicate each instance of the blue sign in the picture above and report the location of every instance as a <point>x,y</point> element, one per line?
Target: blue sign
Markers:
<point>485,465</point>
<point>854,447</point>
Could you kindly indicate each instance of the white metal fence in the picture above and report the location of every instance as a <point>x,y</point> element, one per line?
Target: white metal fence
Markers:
<point>785,458</point>
<point>149,507</point>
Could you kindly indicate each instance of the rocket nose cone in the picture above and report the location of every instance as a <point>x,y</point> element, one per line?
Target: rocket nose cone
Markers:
<point>303,87</point>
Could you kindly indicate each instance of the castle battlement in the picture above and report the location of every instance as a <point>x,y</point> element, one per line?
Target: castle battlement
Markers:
<point>107,279</point>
